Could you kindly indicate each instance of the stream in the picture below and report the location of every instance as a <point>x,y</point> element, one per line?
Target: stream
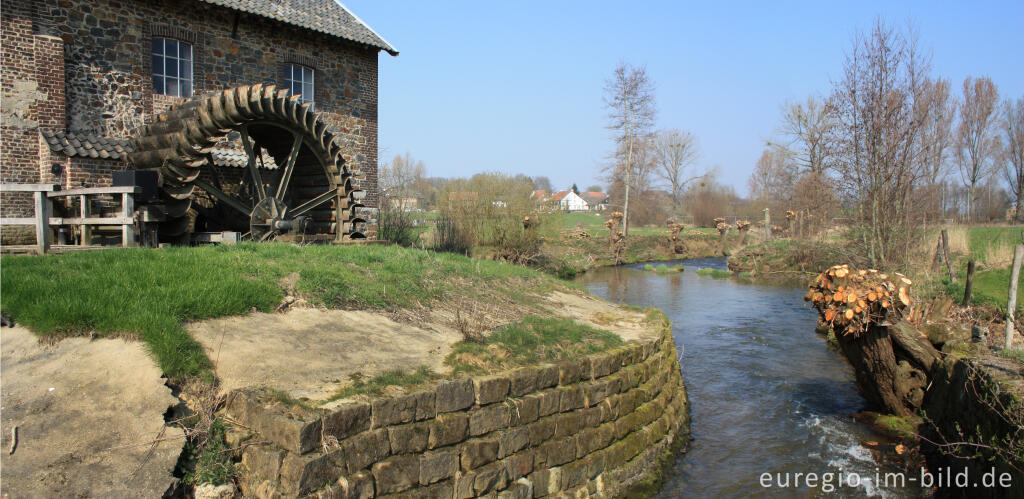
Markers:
<point>767,394</point>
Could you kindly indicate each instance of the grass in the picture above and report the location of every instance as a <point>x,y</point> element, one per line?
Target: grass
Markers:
<point>1013,353</point>
<point>993,245</point>
<point>530,341</point>
<point>394,377</point>
<point>212,462</point>
<point>149,294</point>
<point>714,273</point>
<point>897,425</point>
<point>664,269</point>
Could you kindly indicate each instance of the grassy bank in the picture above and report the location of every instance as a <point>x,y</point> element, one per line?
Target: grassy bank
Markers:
<point>150,294</point>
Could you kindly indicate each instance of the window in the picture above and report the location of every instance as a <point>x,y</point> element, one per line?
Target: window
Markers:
<point>299,79</point>
<point>172,67</point>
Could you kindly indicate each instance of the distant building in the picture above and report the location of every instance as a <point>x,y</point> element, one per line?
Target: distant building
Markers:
<point>404,204</point>
<point>596,201</point>
<point>569,201</point>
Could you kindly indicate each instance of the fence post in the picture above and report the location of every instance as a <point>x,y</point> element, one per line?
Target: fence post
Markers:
<point>1011,300</point>
<point>85,212</point>
<point>128,211</point>
<point>767,225</point>
<point>42,211</point>
<point>969,285</point>
<point>945,251</point>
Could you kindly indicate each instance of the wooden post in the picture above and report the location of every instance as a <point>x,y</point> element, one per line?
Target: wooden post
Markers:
<point>969,285</point>
<point>767,225</point>
<point>84,211</point>
<point>938,254</point>
<point>1011,300</point>
<point>42,212</point>
<point>945,252</point>
<point>128,211</point>
<point>800,224</point>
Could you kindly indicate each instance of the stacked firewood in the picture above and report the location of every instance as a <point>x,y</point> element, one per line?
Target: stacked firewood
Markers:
<point>850,300</point>
<point>576,233</point>
<point>743,226</point>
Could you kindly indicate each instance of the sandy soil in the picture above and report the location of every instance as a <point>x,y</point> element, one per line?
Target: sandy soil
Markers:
<point>87,414</point>
<point>311,353</point>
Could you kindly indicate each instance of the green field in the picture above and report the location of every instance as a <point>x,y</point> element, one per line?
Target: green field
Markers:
<point>149,293</point>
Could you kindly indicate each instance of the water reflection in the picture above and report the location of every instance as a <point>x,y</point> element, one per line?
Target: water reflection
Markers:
<point>767,394</point>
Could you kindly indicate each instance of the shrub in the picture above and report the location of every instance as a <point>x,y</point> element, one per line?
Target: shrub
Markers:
<point>396,226</point>
<point>452,238</point>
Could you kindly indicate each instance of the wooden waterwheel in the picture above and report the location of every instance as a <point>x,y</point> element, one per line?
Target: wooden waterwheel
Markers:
<point>295,180</point>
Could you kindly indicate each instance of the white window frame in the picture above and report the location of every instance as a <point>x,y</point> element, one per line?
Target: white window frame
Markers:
<point>300,86</point>
<point>183,84</point>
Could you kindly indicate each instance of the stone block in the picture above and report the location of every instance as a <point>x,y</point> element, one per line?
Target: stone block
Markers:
<point>490,478</point>
<point>408,438</point>
<point>361,486</point>
<point>454,395</point>
<point>520,464</point>
<point>396,474</point>
<point>569,372</point>
<point>397,409</point>
<point>263,461</point>
<point>478,452</point>
<point>447,429</point>
<point>604,364</point>
<point>571,398</point>
<point>487,419</point>
<point>594,392</point>
<point>555,453</point>
<point>547,376</point>
<point>362,450</point>
<point>523,381</point>
<point>426,405</point>
<point>574,474</point>
<point>541,480</point>
<point>438,465</point>
<point>524,410</point>
<point>513,440</point>
<point>541,431</point>
<point>520,489</point>
<point>568,423</point>
<point>550,402</point>
<point>347,419</point>
<point>490,389</point>
<point>304,474</point>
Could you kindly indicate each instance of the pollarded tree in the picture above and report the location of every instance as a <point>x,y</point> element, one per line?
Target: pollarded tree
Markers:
<point>977,142</point>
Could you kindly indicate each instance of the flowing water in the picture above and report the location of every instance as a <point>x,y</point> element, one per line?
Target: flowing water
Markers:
<point>767,394</point>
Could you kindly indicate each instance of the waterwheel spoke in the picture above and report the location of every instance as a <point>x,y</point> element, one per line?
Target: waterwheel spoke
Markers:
<point>254,172</point>
<point>289,167</point>
<point>313,203</point>
<point>223,197</point>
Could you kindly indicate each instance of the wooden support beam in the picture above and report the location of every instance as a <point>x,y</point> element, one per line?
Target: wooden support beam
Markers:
<point>121,189</point>
<point>83,211</point>
<point>128,212</point>
<point>42,212</point>
<point>28,187</point>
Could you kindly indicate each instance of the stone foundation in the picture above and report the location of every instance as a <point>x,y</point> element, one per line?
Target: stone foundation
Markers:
<point>594,427</point>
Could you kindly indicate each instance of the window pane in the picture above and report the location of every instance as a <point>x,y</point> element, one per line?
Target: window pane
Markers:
<point>171,48</point>
<point>172,86</point>
<point>185,51</point>
<point>158,65</point>
<point>307,91</point>
<point>186,88</point>
<point>186,69</point>
<point>171,67</point>
<point>158,45</point>
<point>307,75</point>
<point>158,84</point>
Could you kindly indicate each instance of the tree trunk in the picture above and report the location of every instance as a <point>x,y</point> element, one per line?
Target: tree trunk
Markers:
<point>767,225</point>
<point>874,365</point>
<point>629,167</point>
<point>970,203</point>
<point>1011,300</point>
<point>1018,216</point>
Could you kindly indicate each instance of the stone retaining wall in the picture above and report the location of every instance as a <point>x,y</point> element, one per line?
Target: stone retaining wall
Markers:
<point>596,426</point>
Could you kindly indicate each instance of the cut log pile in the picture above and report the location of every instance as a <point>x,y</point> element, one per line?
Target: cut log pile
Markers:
<point>674,242</point>
<point>616,239</point>
<point>851,300</point>
<point>743,226</point>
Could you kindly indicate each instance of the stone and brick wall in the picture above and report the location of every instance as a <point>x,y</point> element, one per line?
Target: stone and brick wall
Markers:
<point>593,426</point>
<point>85,67</point>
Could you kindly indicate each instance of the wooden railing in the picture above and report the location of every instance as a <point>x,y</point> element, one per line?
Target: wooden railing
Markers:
<point>42,219</point>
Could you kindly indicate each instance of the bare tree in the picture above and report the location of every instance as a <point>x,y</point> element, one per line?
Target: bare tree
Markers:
<point>808,128</point>
<point>1013,152</point>
<point>674,153</point>
<point>773,178</point>
<point>401,179</point>
<point>977,142</point>
<point>629,96</point>
<point>879,124</point>
<point>542,183</point>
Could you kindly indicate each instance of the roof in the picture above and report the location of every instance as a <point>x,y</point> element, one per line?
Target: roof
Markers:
<point>330,17</point>
<point>93,146</point>
<point>594,198</point>
<point>539,194</point>
<point>558,196</point>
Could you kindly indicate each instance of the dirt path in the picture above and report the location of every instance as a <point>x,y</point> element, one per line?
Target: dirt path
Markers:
<point>312,353</point>
<point>86,414</point>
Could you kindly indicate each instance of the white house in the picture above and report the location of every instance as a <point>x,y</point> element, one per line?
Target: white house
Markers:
<point>570,201</point>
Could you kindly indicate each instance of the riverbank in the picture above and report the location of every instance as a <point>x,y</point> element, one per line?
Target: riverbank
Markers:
<point>271,317</point>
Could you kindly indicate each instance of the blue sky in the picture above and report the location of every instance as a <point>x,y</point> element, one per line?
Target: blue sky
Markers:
<point>516,87</point>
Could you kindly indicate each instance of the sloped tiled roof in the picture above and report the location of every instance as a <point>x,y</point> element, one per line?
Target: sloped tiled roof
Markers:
<point>558,196</point>
<point>92,146</point>
<point>594,198</point>
<point>326,16</point>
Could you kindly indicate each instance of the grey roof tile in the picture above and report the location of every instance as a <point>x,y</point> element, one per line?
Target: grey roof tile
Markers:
<point>326,16</point>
